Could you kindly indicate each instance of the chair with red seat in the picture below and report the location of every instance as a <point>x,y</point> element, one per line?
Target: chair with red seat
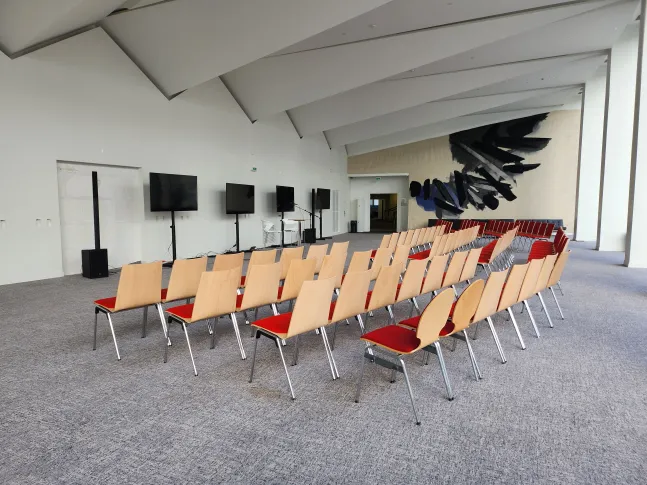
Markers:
<point>411,284</point>
<point>287,256</point>
<point>510,296</point>
<point>317,252</point>
<point>386,240</point>
<point>333,267</point>
<point>454,270</point>
<point>267,256</point>
<point>228,261</point>
<point>383,293</point>
<point>351,301</point>
<point>300,270</point>
<point>184,280</point>
<point>215,298</point>
<point>311,312</point>
<point>361,260</point>
<point>388,345</point>
<point>140,286</point>
<point>556,276</point>
<point>339,248</point>
<point>527,289</point>
<point>382,258</point>
<point>540,249</point>
<point>471,264</point>
<point>433,280</point>
<point>542,282</point>
<point>260,290</point>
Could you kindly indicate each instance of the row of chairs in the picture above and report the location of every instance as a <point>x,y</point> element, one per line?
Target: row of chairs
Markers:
<point>448,243</point>
<point>446,318</point>
<point>527,230</point>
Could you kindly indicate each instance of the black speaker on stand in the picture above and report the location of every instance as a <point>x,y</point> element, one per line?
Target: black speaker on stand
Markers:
<point>94,262</point>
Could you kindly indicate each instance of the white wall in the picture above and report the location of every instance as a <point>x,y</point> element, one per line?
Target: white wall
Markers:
<point>83,100</point>
<point>361,189</point>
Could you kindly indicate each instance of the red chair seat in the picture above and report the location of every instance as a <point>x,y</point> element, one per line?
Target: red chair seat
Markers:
<point>373,253</point>
<point>164,293</point>
<point>182,311</point>
<point>239,300</point>
<point>394,338</point>
<point>242,280</point>
<point>277,325</point>
<point>332,310</point>
<point>421,255</point>
<point>280,292</point>
<point>368,298</point>
<point>107,303</point>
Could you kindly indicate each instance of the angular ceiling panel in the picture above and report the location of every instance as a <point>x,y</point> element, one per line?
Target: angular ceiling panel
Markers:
<point>183,43</point>
<point>567,97</point>
<point>426,114</point>
<point>388,96</point>
<point>592,31</point>
<point>441,129</point>
<point>25,23</point>
<point>278,83</point>
<point>400,16</point>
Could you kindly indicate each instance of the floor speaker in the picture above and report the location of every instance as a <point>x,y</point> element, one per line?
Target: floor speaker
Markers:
<point>94,263</point>
<point>309,236</point>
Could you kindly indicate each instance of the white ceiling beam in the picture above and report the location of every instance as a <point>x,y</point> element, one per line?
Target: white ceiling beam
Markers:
<point>385,97</point>
<point>278,83</point>
<point>186,42</point>
<point>425,114</point>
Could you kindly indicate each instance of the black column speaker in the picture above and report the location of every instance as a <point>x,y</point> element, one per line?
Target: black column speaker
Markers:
<point>94,262</point>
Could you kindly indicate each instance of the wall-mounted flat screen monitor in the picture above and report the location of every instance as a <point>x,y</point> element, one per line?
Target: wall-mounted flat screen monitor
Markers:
<point>171,192</point>
<point>323,198</point>
<point>240,199</point>
<point>284,199</point>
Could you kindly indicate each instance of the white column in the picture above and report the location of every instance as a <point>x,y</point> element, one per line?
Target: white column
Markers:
<point>590,162</point>
<point>617,141</point>
<point>636,252</point>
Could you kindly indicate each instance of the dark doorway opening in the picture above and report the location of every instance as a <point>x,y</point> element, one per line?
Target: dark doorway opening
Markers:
<point>384,212</point>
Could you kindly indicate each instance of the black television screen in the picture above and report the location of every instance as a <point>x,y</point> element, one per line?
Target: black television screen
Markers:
<point>240,199</point>
<point>284,199</point>
<point>323,198</point>
<point>171,192</point>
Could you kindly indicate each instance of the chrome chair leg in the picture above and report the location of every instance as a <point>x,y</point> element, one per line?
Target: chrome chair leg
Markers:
<point>532,318</point>
<point>360,321</point>
<point>516,328</point>
<point>332,356</point>
<point>557,302</point>
<point>406,378</point>
<point>443,369</point>
<point>333,368</point>
<point>495,336</point>
<point>160,310</point>
<point>278,344</point>
<point>361,376</point>
<point>476,331</point>
<point>415,304</point>
<point>188,342</point>
<point>213,333</point>
<point>168,337</point>
<point>295,356</point>
<point>543,304</point>
<point>475,366</point>
<point>274,309</point>
<point>391,316</point>
<point>96,316</point>
<point>144,320</point>
<point>234,322</point>
<point>251,374</point>
<point>334,335</point>
<point>112,329</point>
<point>559,285</point>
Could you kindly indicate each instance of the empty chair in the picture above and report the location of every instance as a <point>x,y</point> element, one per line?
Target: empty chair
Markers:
<point>469,268</point>
<point>259,257</point>
<point>408,238</point>
<point>333,267</point>
<point>556,276</point>
<point>260,290</point>
<point>351,301</point>
<point>393,241</point>
<point>382,258</point>
<point>216,297</point>
<point>311,312</point>
<point>383,293</point>
<point>488,306</point>
<point>361,260</point>
<point>455,269</point>
<point>300,270</point>
<point>510,295</point>
<point>271,235</point>
<point>542,282</point>
<point>339,248</point>
<point>229,261</point>
<point>287,256</point>
<point>317,252</point>
<point>400,341</point>
<point>290,228</point>
<point>184,281</point>
<point>528,288</point>
<point>401,257</point>
<point>386,239</point>
<point>412,283</point>
<point>140,286</point>
<point>433,280</point>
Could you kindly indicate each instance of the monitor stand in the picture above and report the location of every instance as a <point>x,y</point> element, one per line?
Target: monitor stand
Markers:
<point>237,234</point>
<point>169,264</point>
<point>321,236</point>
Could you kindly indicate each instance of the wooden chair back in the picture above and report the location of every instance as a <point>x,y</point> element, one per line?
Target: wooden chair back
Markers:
<point>544,274</point>
<point>382,258</point>
<point>434,318</point>
<point>333,267</point>
<point>530,280</point>
<point>401,237</point>
<point>466,305</point>
<point>287,256</point>
<point>261,285</point>
<point>556,275</point>
<point>455,268</point>
<point>139,285</point>
<point>393,241</point>
<point>185,278</point>
<point>512,286</point>
<point>400,257</point>
<point>267,256</point>
<point>229,261</point>
<point>386,286</point>
<point>412,281</point>
<point>216,294</point>
<point>386,239</point>
<point>300,270</point>
<point>489,303</point>
<point>312,307</point>
<point>416,237</point>
<point>362,259</point>
<point>339,248</point>
<point>408,238</point>
<point>317,252</point>
<point>471,263</point>
<point>352,296</point>
<point>435,274</point>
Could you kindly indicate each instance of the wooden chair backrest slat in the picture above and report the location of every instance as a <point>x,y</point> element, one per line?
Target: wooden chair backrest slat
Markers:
<point>382,258</point>
<point>287,256</point>
<point>512,286</point>
<point>339,248</point>
<point>471,264</point>
<point>412,281</point>
<point>434,318</point>
<point>300,270</point>
<point>386,286</point>
<point>317,252</point>
<point>267,256</point>
<point>216,294</point>
<point>362,259</point>
<point>393,241</point>
<point>435,274</point>
<point>466,305</point>
<point>228,261</point>
<point>185,278</point>
<point>332,267</point>
<point>556,275</point>
<point>455,268</point>
<point>261,285</point>
<point>401,257</point>
<point>352,296</point>
<point>312,307</point>
<point>530,280</point>
<point>546,270</point>
<point>489,303</point>
<point>139,285</point>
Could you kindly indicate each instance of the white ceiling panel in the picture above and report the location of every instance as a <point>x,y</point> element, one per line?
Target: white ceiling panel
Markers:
<point>183,43</point>
<point>399,16</point>
<point>569,96</point>
<point>428,113</point>
<point>25,23</point>
<point>440,129</point>
<point>592,31</point>
<point>389,96</point>
<point>274,84</point>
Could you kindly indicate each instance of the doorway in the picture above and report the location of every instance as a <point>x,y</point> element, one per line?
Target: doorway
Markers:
<point>384,212</point>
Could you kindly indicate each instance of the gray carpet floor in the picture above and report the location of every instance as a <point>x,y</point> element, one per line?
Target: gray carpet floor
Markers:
<point>570,409</point>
